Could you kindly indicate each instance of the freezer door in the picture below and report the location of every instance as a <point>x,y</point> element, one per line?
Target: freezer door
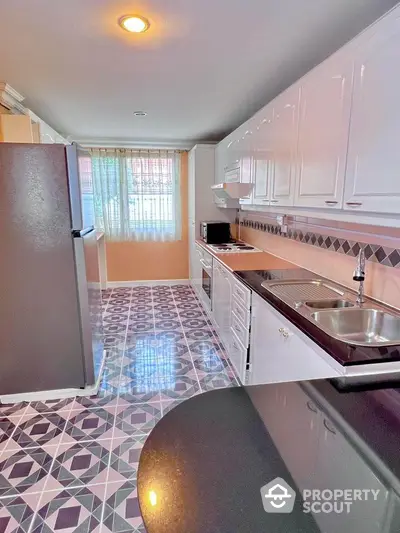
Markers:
<point>89,294</point>
<point>81,199</point>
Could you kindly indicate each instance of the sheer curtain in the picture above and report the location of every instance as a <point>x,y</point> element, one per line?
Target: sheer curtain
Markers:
<point>136,193</point>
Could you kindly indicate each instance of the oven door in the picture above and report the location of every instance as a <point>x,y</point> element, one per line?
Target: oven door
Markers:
<point>206,283</point>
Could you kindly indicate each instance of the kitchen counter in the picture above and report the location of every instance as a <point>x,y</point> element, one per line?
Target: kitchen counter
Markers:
<point>342,352</point>
<point>207,459</point>
<point>247,260</point>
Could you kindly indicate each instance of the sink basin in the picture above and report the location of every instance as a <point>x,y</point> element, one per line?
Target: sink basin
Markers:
<point>329,304</point>
<point>366,327</point>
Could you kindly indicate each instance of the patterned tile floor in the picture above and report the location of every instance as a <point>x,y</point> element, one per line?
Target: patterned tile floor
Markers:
<point>70,465</point>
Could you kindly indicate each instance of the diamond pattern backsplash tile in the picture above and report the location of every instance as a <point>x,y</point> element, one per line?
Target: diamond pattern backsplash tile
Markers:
<point>378,254</point>
<point>70,465</point>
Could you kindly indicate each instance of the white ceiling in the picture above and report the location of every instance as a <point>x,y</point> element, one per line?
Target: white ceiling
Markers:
<point>203,68</point>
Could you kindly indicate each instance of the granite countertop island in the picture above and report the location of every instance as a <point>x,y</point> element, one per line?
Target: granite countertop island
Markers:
<point>203,466</point>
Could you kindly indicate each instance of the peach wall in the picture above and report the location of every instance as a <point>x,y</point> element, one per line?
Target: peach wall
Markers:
<point>382,282</point>
<point>136,261</point>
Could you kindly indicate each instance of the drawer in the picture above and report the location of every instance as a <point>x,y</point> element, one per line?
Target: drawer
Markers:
<point>242,294</point>
<point>240,330</point>
<point>238,357</point>
<point>241,312</point>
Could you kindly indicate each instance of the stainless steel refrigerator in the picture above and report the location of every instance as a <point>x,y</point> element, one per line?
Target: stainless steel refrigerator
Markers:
<point>50,296</point>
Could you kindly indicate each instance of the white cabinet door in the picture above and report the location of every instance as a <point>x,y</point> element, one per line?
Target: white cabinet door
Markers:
<point>263,158</point>
<point>323,133</point>
<point>285,126</point>
<point>221,160</point>
<point>246,159</point>
<point>340,466</point>
<point>222,299</point>
<point>372,175</point>
<point>297,439</point>
<point>277,351</point>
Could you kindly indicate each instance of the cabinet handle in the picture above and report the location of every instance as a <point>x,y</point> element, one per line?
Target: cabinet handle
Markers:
<point>354,204</point>
<point>331,430</point>
<point>281,330</point>
<point>311,407</point>
<point>330,202</point>
<point>265,200</point>
<point>274,201</point>
<point>285,334</point>
<point>237,328</point>
<point>235,345</point>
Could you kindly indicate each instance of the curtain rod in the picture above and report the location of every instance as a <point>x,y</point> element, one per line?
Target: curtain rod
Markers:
<point>149,150</point>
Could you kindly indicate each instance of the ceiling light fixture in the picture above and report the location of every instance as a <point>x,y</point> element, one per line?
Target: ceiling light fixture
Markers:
<point>140,113</point>
<point>134,23</point>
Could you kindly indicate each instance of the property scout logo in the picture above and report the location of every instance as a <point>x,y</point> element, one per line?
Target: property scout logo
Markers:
<point>278,497</point>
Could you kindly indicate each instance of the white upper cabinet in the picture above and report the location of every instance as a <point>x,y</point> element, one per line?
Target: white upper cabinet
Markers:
<point>263,157</point>
<point>246,158</point>
<point>284,141</point>
<point>373,164</point>
<point>323,133</point>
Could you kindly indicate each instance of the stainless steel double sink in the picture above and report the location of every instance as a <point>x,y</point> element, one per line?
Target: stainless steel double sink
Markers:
<point>334,310</point>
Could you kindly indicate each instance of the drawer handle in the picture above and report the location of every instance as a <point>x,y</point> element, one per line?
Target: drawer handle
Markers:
<point>354,204</point>
<point>237,328</point>
<point>235,345</point>
<point>311,407</point>
<point>330,202</point>
<point>274,201</point>
<point>331,430</point>
<point>281,330</point>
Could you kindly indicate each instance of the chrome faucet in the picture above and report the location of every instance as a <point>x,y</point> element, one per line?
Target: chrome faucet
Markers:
<point>359,275</point>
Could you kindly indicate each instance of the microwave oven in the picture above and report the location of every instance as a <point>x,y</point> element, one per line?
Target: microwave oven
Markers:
<point>213,232</point>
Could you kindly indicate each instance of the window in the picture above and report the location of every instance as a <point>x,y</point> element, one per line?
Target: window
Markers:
<point>135,195</point>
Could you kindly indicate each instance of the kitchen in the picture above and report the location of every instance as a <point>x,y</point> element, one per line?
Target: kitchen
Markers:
<point>249,287</point>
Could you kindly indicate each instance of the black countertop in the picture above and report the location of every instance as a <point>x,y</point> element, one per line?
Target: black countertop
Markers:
<point>208,458</point>
<point>343,353</point>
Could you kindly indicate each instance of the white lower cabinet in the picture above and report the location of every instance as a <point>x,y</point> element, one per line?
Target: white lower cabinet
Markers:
<point>319,456</point>
<point>340,466</point>
<point>279,351</point>
<point>233,329</point>
<point>222,298</point>
<point>238,357</point>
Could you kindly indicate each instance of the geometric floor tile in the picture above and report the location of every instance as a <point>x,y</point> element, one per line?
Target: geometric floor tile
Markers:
<point>211,363</point>
<point>7,428</point>
<point>89,424</point>
<point>24,470</point>
<point>50,406</point>
<point>70,510</point>
<point>80,463</point>
<point>13,409</point>
<point>216,381</point>
<point>136,419</point>
<point>125,457</point>
<point>16,514</point>
<point>38,429</point>
<point>121,509</point>
<point>181,387</point>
